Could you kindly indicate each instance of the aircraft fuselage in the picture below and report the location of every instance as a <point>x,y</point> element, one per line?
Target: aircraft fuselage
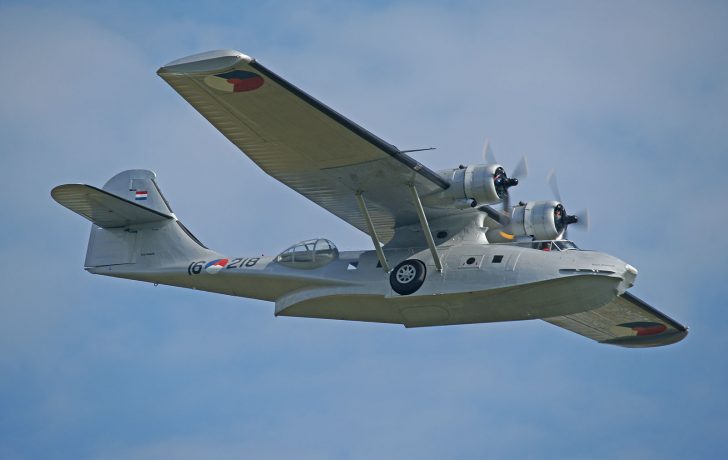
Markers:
<point>478,283</point>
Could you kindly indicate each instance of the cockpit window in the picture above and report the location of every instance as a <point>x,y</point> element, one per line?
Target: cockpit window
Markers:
<point>565,245</point>
<point>542,245</point>
<point>555,245</point>
<point>309,254</point>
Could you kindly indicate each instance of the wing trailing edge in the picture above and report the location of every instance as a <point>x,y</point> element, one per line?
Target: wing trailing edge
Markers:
<point>303,143</point>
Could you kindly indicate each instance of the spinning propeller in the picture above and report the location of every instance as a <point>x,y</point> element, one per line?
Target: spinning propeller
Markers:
<point>542,220</point>
<point>501,180</point>
<point>561,218</point>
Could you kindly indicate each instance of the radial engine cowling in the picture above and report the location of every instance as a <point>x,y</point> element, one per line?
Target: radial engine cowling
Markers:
<point>472,185</point>
<point>542,220</point>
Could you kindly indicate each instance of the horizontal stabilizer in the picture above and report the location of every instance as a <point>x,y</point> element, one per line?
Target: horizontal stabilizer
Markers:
<point>103,208</point>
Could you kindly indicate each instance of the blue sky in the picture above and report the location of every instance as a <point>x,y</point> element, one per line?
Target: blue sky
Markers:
<point>629,102</point>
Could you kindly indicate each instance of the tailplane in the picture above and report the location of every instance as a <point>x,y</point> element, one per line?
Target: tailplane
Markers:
<point>105,209</point>
<point>132,222</point>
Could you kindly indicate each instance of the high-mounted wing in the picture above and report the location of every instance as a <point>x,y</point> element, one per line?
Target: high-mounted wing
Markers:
<point>627,321</point>
<point>303,143</point>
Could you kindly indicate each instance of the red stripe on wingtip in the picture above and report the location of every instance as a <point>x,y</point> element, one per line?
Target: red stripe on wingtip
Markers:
<point>649,330</point>
<point>247,84</point>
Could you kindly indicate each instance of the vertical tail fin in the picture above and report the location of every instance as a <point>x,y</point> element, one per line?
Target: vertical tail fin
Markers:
<point>139,186</point>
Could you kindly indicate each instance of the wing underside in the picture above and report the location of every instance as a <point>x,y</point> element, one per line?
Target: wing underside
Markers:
<point>301,142</point>
<point>626,321</point>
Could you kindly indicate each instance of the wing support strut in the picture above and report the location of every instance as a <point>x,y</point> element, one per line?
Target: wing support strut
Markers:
<point>425,227</point>
<point>372,232</point>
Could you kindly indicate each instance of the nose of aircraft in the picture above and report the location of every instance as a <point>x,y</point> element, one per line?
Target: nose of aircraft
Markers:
<point>627,272</point>
<point>608,265</point>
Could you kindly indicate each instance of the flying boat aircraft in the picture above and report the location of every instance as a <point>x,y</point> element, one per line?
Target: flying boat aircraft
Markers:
<point>448,246</point>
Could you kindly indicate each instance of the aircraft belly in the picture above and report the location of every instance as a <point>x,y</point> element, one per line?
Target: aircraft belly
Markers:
<point>535,300</point>
<point>541,299</point>
<point>259,285</point>
<point>369,308</point>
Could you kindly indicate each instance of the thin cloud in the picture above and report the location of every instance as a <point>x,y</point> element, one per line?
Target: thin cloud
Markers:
<point>627,101</point>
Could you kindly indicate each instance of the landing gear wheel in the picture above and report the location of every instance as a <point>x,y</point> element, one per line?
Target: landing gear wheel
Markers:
<point>408,276</point>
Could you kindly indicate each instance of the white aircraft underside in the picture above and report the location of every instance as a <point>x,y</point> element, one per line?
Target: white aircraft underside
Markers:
<point>441,254</point>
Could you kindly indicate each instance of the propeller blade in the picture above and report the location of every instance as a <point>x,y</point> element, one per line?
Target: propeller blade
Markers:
<point>580,219</point>
<point>488,154</point>
<point>554,184</point>
<point>521,170</point>
<point>583,220</point>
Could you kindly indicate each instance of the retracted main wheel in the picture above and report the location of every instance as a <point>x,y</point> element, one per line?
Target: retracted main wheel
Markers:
<point>408,276</point>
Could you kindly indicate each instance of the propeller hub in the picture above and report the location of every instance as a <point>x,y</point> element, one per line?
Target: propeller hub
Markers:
<point>560,218</point>
<point>502,182</point>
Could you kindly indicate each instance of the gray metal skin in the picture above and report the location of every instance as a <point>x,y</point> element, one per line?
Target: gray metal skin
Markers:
<point>473,272</point>
<point>526,284</point>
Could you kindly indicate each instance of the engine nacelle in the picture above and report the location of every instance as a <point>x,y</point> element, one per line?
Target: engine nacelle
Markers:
<point>540,220</point>
<point>473,184</point>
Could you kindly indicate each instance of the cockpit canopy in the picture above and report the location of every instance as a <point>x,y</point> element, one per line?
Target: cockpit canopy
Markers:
<point>309,254</point>
<point>551,245</point>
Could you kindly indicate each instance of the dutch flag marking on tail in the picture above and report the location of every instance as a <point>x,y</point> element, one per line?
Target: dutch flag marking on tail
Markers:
<point>141,195</point>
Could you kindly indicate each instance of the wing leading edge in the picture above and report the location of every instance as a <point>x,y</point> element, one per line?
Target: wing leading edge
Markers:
<point>303,143</point>
<point>626,321</point>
